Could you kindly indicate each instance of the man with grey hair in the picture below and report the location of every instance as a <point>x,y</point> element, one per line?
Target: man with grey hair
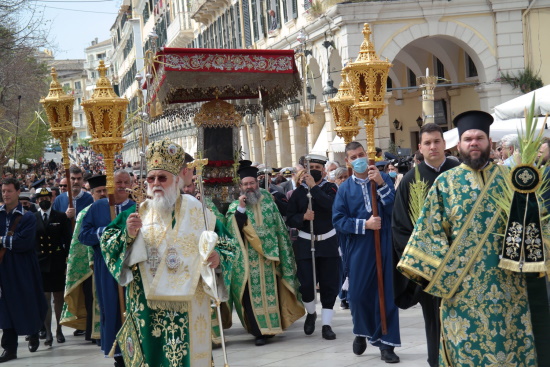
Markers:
<point>510,146</point>
<point>94,223</point>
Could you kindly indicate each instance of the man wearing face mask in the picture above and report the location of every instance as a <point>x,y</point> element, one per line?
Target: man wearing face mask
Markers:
<point>53,238</point>
<point>352,215</point>
<point>327,258</point>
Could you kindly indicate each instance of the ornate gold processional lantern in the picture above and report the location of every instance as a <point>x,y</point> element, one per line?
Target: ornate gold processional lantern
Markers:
<point>346,123</point>
<point>367,77</point>
<point>59,109</point>
<point>105,113</point>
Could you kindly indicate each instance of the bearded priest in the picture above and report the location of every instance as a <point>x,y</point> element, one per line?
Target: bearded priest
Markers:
<point>164,254</point>
<point>264,289</point>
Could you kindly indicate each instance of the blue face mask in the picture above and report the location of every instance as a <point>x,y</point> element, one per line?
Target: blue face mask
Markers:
<point>359,165</point>
<point>392,174</point>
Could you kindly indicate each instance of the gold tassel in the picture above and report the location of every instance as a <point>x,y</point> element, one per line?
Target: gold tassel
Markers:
<point>158,108</point>
<point>268,133</point>
<point>152,112</point>
<point>112,352</point>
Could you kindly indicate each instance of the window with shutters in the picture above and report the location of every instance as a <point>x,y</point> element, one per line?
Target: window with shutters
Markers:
<point>233,43</point>
<point>285,10</point>
<point>247,27</point>
<point>294,5</point>
<point>262,13</point>
<point>307,4</point>
<point>277,9</point>
<point>255,25</point>
<point>237,27</point>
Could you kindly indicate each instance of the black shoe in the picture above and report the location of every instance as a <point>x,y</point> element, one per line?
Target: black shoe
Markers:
<point>359,345</point>
<point>388,356</point>
<point>327,333</point>
<point>60,337</point>
<point>260,340</point>
<point>79,332</point>
<point>7,356</point>
<point>26,338</point>
<point>34,342</point>
<point>42,333</point>
<point>309,324</point>
<point>344,305</point>
<point>49,341</point>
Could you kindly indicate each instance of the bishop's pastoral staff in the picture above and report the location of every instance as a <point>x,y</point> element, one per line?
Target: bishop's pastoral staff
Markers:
<point>162,255</point>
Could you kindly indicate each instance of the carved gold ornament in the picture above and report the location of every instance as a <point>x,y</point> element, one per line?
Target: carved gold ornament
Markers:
<point>218,113</point>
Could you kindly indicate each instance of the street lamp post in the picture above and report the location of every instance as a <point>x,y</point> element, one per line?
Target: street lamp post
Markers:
<point>329,91</point>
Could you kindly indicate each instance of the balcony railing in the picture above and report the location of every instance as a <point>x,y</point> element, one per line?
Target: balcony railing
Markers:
<point>180,31</point>
<point>204,11</point>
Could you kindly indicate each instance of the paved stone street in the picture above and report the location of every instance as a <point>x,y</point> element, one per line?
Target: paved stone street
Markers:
<point>292,349</point>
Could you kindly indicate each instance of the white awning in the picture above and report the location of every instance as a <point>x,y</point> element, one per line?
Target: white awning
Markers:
<point>338,144</point>
<point>515,108</point>
<point>498,130</point>
<point>321,144</point>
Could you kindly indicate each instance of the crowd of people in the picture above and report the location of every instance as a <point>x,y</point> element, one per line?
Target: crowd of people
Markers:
<point>137,280</point>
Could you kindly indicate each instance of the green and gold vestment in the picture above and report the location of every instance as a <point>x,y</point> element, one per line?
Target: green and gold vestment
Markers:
<point>171,333</point>
<point>266,263</point>
<point>79,268</point>
<point>454,254</point>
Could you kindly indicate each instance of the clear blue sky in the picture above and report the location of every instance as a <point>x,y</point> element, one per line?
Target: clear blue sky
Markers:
<point>75,23</point>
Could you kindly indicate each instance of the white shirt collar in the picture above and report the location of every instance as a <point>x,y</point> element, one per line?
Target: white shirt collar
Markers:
<point>437,169</point>
<point>42,212</point>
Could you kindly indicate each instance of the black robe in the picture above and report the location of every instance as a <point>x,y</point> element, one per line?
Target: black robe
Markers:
<point>406,292</point>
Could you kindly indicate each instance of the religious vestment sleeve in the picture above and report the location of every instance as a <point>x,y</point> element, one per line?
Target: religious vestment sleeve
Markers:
<point>24,238</point>
<point>89,234</point>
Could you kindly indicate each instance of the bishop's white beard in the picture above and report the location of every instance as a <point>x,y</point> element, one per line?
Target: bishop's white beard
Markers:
<point>163,204</point>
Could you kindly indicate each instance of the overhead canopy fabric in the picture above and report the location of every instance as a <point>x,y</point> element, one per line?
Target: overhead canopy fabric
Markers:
<point>197,74</point>
<point>498,130</point>
<point>515,108</point>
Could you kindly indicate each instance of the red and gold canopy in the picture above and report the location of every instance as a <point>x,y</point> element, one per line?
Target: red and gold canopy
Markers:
<point>198,74</point>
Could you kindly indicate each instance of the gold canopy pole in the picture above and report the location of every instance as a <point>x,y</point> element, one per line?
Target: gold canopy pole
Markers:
<point>105,113</point>
<point>59,109</point>
<point>367,77</point>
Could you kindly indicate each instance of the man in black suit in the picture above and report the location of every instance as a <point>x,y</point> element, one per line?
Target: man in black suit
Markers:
<point>53,238</point>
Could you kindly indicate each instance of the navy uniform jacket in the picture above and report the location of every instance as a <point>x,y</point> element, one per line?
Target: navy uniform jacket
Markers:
<point>53,241</point>
<point>22,303</point>
<point>322,199</point>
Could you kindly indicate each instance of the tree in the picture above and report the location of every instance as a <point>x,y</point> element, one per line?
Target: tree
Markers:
<point>23,76</point>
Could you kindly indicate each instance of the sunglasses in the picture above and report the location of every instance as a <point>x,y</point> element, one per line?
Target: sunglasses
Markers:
<point>62,185</point>
<point>151,179</point>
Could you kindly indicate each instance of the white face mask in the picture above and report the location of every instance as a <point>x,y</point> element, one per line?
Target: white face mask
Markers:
<point>331,175</point>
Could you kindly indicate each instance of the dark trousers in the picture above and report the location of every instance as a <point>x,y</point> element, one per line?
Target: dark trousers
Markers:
<point>430,310</point>
<point>9,340</point>
<point>328,277</point>
<point>87,288</point>
<point>253,328</point>
<point>540,317</point>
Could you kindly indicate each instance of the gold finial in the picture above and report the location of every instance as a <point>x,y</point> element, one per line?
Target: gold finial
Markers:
<point>102,69</point>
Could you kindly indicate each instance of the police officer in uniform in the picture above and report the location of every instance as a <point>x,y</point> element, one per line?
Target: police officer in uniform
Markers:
<point>327,259</point>
<point>53,238</point>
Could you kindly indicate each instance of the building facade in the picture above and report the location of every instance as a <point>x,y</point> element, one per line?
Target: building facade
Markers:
<point>468,44</point>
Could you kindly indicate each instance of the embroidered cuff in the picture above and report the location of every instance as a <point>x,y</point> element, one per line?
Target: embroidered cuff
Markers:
<point>129,239</point>
<point>383,192</point>
<point>360,226</point>
<point>99,232</point>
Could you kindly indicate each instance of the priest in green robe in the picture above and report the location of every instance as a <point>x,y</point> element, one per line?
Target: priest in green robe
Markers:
<point>264,289</point>
<point>81,310</point>
<point>163,255</point>
<point>454,253</point>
